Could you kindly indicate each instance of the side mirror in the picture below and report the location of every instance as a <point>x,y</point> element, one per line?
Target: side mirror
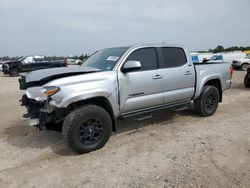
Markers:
<point>131,66</point>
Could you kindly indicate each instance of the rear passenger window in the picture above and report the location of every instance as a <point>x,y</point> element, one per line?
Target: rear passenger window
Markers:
<point>147,57</point>
<point>174,57</point>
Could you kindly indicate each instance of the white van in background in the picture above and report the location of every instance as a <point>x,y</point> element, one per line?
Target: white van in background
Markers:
<point>227,56</point>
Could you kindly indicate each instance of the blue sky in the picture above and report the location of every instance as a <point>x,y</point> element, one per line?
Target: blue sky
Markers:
<point>63,27</point>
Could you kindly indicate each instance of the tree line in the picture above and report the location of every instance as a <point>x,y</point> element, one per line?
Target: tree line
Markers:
<point>220,48</point>
<point>49,58</point>
<point>82,57</point>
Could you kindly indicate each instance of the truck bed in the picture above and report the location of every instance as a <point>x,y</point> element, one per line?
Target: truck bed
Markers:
<point>205,71</point>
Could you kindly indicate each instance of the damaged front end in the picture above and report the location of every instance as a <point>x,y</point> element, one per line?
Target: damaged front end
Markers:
<point>35,113</point>
<point>41,109</point>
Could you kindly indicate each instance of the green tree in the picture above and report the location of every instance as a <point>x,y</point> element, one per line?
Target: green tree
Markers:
<point>219,48</point>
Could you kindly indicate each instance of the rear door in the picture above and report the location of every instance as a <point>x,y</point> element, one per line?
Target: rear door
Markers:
<point>178,75</point>
<point>141,89</point>
<point>28,63</point>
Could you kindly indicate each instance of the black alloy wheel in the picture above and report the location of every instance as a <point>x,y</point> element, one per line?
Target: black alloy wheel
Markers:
<point>87,128</point>
<point>90,131</point>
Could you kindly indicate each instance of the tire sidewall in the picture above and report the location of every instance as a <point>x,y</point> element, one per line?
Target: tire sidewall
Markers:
<point>82,115</point>
<point>210,90</point>
<point>247,81</point>
<point>14,72</point>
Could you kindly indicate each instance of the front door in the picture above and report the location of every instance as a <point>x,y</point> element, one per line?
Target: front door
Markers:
<point>141,89</point>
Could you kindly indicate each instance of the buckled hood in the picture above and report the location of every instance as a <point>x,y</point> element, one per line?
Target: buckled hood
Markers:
<point>40,77</point>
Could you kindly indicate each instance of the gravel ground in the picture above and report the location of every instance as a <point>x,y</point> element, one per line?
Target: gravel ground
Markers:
<point>170,150</point>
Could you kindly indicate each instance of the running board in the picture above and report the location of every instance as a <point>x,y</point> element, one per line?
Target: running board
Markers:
<point>177,107</point>
<point>142,118</point>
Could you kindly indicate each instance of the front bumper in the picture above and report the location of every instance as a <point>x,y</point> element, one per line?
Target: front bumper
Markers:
<point>33,107</point>
<point>5,68</point>
<point>36,110</point>
<point>236,65</point>
<point>42,111</point>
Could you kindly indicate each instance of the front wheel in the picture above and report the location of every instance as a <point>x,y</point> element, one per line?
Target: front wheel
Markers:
<point>247,81</point>
<point>14,72</point>
<point>208,101</point>
<point>87,128</point>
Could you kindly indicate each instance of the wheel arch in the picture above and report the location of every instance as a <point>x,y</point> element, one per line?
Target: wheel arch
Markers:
<point>216,83</point>
<point>101,101</point>
<point>214,80</point>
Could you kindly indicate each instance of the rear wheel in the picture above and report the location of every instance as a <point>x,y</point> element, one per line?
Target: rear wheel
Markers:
<point>207,103</point>
<point>247,81</point>
<point>14,72</point>
<point>244,66</point>
<point>87,128</point>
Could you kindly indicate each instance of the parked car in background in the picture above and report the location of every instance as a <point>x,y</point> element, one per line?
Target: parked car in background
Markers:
<point>1,64</point>
<point>227,57</point>
<point>247,78</point>
<point>241,63</point>
<point>74,61</point>
<point>117,83</point>
<point>29,63</point>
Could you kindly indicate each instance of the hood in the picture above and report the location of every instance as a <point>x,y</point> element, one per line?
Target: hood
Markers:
<point>9,62</point>
<point>41,77</point>
<point>242,60</point>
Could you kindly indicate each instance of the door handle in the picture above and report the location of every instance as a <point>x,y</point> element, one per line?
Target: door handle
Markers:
<point>157,77</point>
<point>188,73</point>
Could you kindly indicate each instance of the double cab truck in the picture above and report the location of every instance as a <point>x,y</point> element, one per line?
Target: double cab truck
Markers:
<point>117,83</point>
<point>29,63</point>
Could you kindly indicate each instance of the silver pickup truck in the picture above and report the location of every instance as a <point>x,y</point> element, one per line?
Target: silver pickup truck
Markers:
<point>118,83</point>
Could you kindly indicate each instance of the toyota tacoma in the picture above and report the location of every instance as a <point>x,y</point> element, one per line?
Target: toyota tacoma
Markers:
<point>117,83</point>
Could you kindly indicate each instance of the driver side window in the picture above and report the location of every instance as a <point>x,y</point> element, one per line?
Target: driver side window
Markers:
<point>147,57</point>
<point>28,60</point>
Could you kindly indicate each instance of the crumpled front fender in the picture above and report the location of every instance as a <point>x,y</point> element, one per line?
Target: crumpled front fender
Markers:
<point>83,95</point>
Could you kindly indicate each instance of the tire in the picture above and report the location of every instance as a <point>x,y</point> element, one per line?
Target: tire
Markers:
<point>87,128</point>
<point>247,81</point>
<point>244,66</point>
<point>14,72</point>
<point>208,101</point>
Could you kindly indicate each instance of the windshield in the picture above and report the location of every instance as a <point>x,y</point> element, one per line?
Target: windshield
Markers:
<point>214,57</point>
<point>21,58</point>
<point>105,59</point>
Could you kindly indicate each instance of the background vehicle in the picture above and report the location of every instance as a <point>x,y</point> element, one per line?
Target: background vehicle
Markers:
<point>227,56</point>
<point>247,78</point>
<point>74,61</point>
<point>1,64</point>
<point>29,63</point>
<point>241,63</point>
<point>120,83</point>
<point>200,57</point>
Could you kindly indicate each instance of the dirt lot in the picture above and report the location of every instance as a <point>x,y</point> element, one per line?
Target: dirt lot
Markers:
<point>170,150</point>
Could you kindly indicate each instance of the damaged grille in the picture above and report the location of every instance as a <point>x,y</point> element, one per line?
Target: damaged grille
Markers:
<point>33,107</point>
